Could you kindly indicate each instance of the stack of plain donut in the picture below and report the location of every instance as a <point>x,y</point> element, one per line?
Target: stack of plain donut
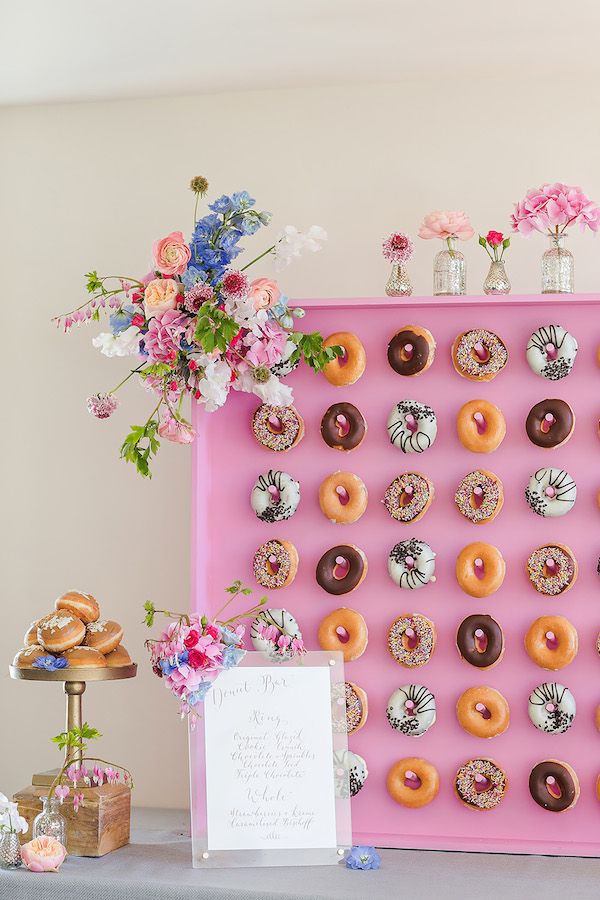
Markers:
<point>74,631</point>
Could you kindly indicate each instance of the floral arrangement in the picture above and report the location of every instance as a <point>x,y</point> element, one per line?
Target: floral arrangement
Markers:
<point>43,854</point>
<point>552,208</point>
<point>363,858</point>
<point>10,820</point>
<point>397,248</point>
<point>494,244</point>
<point>196,325</point>
<point>446,224</point>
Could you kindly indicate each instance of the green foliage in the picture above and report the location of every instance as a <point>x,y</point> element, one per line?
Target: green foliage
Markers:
<point>310,347</point>
<point>94,283</point>
<point>238,588</point>
<point>158,370</point>
<point>150,613</point>
<point>214,328</point>
<point>140,445</point>
<point>76,738</point>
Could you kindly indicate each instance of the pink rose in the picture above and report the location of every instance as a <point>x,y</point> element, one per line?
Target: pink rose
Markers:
<point>43,854</point>
<point>446,223</point>
<point>171,429</point>
<point>171,254</point>
<point>264,293</point>
<point>160,294</point>
<point>494,238</point>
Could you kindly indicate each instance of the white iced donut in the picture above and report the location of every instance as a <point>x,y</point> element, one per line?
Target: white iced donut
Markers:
<point>412,426</point>
<point>275,496</point>
<point>350,773</point>
<point>551,352</point>
<point>551,492</point>
<point>284,366</point>
<point>411,564</point>
<point>552,707</point>
<point>411,709</point>
<point>268,627</point>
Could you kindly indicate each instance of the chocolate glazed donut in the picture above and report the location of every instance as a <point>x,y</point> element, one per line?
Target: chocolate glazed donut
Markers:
<point>343,426</point>
<point>327,565</point>
<point>482,650</point>
<point>549,423</point>
<point>563,779</point>
<point>421,350</point>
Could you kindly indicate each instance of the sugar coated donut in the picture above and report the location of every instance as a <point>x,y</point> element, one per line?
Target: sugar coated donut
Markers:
<point>552,707</point>
<point>481,426</point>
<point>30,636</point>
<point>84,606</point>
<point>118,657</point>
<point>552,569</point>
<point>275,564</point>
<point>60,631</point>
<point>344,630</point>
<point>275,496</point>
<point>408,497</point>
<point>411,640</point>
<point>347,368</point>
<point>411,564</point>
<point>551,492</point>
<point>84,657</point>
<point>353,700</point>
<point>480,641</point>
<point>343,497</point>
<point>277,428</point>
<point>480,569</point>
<point>350,773</point>
<point>479,496</point>
<point>343,427</point>
<point>483,712</point>
<point>411,709</point>
<point>341,569</point>
<point>26,657</point>
<point>413,782</point>
<point>551,352</point>
<point>104,635</point>
<point>411,350</point>
<point>479,354</point>
<point>412,426</point>
<point>552,642</point>
<point>550,423</point>
<point>554,785</point>
<point>268,627</point>
<point>481,784</point>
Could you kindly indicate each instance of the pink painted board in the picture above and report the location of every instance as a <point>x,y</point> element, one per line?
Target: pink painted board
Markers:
<point>226,533</point>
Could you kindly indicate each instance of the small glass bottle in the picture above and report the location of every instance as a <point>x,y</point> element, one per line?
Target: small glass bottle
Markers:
<point>49,821</point>
<point>496,281</point>
<point>558,267</point>
<point>449,271</point>
<point>10,850</point>
<point>399,284</point>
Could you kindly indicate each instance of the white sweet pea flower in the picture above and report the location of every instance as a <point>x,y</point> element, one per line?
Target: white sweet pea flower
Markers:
<point>10,820</point>
<point>214,384</point>
<point>272,391</point>
<point>245,314</point>
<point>124,344</point>
<point>291,243</point>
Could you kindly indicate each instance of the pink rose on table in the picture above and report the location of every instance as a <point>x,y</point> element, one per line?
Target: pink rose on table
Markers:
<point>43,854</point>
<point>160,294</point>
<point>494,238</point>
<point>171,254</point>
<point>446,223</point>
<point>264,293</point>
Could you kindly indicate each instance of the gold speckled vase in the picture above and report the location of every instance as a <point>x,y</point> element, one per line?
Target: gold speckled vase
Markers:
<point>558,267</point>
<point>399,284</point>
<point>496,281</point>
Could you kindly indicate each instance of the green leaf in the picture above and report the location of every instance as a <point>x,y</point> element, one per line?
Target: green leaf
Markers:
<point>140,445</point>
<point>93,283</point>
<point>150,613</point>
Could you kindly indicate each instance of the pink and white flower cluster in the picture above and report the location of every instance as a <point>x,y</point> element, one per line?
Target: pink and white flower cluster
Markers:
<point>397,248</point>
<point>281,643</point>
<point>553,208</point>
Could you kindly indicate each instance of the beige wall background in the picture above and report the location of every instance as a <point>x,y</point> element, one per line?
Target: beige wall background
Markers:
<point>91,186</point>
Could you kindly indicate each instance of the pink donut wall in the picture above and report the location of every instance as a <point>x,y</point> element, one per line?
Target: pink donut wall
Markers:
<point>226,533</point>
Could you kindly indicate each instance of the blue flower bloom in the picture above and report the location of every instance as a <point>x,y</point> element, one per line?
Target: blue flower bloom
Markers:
<point>250,224</point>
<point>50,663</point>
<point>363,858</point>
<point>121,320</point>
<point>222,204</point>
<point>242,200</point>
<point>192,276</point>
<point>166,666</point>
<point>200,693</point>
<point>232,656</point>
<point>228,636</point>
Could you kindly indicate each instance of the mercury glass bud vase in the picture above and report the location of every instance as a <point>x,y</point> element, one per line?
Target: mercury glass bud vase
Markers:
<point>399,284</point>
<point>558,267</point>
<point>49,821</point>
<point>449,271</point>
<point>10,850</point>
<point>496,281</point>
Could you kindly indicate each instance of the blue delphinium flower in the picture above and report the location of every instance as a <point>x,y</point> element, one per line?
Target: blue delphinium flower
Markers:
<point>193,275</point>
<point>228,636</point>
<point>223,204</point>
<point>121,319</point>
<point>232,656</point>
<point>200,693</point>
<point>242,200</point>
<point>363,858</point>
<point>50,663</point>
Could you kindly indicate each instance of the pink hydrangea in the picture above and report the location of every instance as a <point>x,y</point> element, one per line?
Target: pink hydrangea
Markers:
<point>555,206</point>
<point>162,340</point>
<point>266,349</point>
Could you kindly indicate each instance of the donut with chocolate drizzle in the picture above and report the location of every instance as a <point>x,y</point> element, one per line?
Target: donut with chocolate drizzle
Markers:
<point>480,641</point>
<point>343,427</point>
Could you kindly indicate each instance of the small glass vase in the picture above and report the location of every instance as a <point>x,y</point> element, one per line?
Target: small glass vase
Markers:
<point>558,267</point>
<point>449,271</point>
<point>10,850</point>
<point>49,821</point>
<point>496,281</point>
<point>399,284</point>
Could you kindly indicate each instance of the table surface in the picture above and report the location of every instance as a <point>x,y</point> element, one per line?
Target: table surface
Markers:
<point>157,866</point>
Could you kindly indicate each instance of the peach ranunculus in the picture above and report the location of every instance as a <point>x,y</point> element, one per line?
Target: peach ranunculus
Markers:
<point>160,295</point>
<point>171,254</point>
<point>446,223</point>
<point>43,854</point>
<point>264,293</point>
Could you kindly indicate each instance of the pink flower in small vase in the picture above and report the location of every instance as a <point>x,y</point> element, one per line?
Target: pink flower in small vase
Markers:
<point>397,248</point>
<point>264,293</point>
<point>176,430</point>
<point>61,791</point>
<point>43,854</point>
<point>445,224</point>
<point>494,238</point>
<point>171,254</point>
<point>77,801</point>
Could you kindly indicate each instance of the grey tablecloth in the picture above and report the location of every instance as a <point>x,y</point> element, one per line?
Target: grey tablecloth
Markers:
<point>156,866</point>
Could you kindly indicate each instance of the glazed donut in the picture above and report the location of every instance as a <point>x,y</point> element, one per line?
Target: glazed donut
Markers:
<point>551,352</point>
<point>483,712</point>
<point>597,719</point>
<point>480,569</point>
<point>343,497</point>
<point>551,492</point>
<point>343,427</point>
<point>275,496</point>
<point>104,635</point>
<point>480,641</point>
<point>60,631</point>
<point>552,642</point>
<point>85,658</point>
<point>554,785</point>
<point>356,708</point>
<point>408,497</point>
<point>552,569</point>
<point>411,640</point>
<point>412,426</point>
<point>411,709</point>
<point>480,496</point>
<point>341,569</point>
<point>31,637</point>
<point>84,606</point>
<point>481,426</point>
<point>118,657</point>
<point>280,622</point>
<point>344,630</point>
<point>552,707</point>
<point>350,773</point>
<point>411,564</point>
<point>479,354</point>
<point>26,657</point>
<point>481,784</point>
<point>413,782</point>
<point>411,350</point>
<point>277,428</point>
<point>550,423</point>
<point>275,564</point>
<point>347,368</point>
